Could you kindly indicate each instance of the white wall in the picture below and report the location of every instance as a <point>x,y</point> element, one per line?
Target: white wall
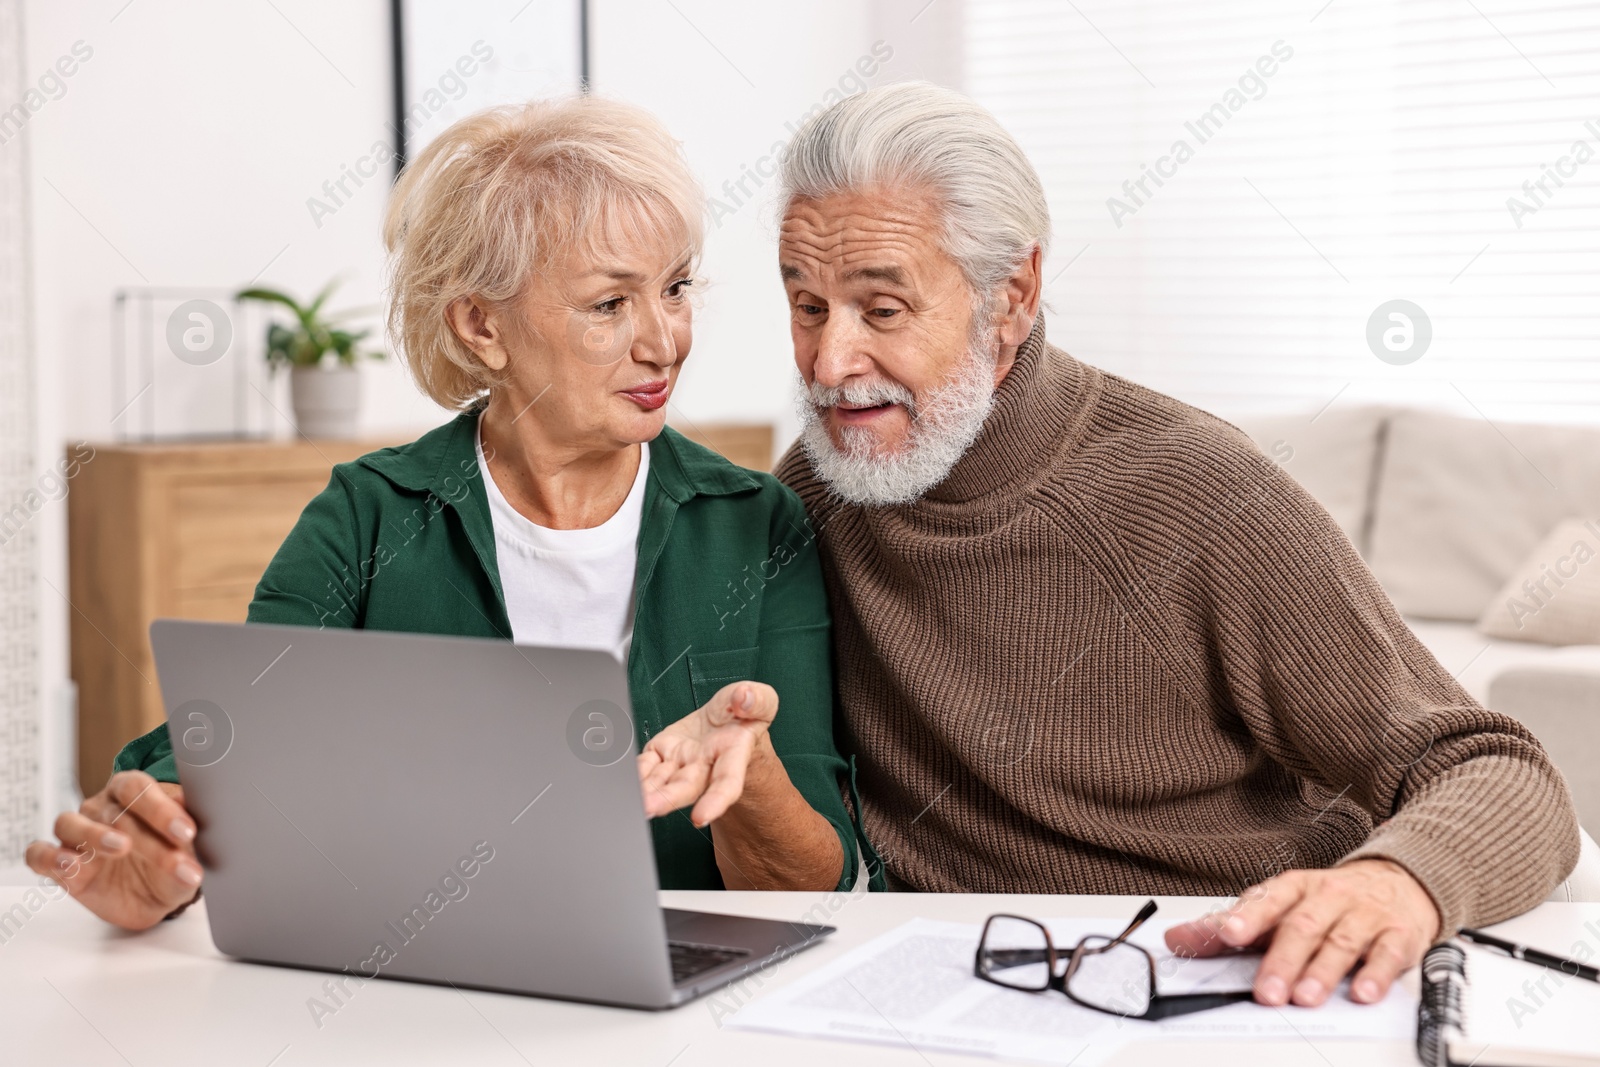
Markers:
<point>729,78</point>
<point>183,153</point>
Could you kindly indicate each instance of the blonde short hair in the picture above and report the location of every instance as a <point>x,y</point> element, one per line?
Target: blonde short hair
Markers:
<point>498,196</point>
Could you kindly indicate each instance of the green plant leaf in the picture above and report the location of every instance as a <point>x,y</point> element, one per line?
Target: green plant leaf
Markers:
<point>272,296</point>
<point>315,337</point>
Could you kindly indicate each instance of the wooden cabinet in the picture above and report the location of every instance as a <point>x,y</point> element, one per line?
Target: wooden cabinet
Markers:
<point>747,444</point>
<point>185,531</point>
<point>172,530</point>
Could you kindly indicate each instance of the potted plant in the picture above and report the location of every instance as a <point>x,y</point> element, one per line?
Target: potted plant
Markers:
<point>324,380</point>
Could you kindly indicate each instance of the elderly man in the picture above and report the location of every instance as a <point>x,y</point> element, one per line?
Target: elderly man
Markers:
<point>1090,640</point>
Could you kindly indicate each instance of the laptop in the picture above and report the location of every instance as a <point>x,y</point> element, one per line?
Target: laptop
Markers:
<point>437,809</point>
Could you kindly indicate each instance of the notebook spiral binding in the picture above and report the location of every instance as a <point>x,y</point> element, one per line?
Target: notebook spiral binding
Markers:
<point>1441,1013</point>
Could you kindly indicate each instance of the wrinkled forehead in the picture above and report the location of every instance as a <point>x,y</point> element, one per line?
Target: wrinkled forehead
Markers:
<point>884,235</point>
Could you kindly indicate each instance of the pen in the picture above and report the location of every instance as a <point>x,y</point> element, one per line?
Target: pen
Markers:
<point>1533,955</point>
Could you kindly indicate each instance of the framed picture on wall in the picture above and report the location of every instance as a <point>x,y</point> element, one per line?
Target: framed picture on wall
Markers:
<point>452,59</point>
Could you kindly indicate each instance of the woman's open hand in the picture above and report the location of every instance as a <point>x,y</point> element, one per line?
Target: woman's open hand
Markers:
<point>126,854</point>
<point>702,759</point>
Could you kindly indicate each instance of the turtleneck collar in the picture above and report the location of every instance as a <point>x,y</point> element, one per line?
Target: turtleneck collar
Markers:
<point>1038,412</point>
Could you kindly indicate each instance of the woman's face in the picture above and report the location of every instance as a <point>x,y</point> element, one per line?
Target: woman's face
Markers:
<point>603,335</point>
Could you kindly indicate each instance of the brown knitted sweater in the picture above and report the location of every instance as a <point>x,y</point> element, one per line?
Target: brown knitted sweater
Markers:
<point>1118,650</point>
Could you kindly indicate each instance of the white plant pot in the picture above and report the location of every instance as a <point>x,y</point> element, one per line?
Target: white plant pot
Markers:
<point>327,400</point>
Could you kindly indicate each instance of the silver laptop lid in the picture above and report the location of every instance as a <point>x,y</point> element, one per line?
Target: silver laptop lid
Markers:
<point>414,806</point>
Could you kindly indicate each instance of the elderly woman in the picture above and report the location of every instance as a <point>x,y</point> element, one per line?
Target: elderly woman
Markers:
<point>543,260</point>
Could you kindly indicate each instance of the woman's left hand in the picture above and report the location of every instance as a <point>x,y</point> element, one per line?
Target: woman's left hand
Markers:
<point>702,758</point>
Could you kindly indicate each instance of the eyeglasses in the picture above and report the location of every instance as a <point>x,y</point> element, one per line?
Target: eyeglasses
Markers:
<point>1104,973</point>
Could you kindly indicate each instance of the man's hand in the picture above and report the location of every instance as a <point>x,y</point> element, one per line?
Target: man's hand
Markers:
<point>1315,926</point>
<point>127,853</point>
<point>702,758</point>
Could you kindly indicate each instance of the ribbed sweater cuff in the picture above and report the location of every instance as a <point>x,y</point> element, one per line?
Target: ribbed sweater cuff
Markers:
<point>1469,839</point>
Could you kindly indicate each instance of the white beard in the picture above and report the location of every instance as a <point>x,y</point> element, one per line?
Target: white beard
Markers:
<point>943,428</point>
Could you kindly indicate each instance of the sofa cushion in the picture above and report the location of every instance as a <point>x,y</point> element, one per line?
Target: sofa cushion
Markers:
<point>1460,503</point>
<point>1476,661</point>
<point>1561,707</point>
<point>1333,455</point>
<point>1553,597</point>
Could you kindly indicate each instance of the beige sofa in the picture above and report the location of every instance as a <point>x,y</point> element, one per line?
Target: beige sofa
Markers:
<point>1446,510</point>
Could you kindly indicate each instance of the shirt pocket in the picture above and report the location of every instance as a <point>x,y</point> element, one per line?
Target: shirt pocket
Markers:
<point>710,671</point>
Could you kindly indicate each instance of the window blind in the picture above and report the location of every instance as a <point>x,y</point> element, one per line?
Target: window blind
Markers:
<point>1239,187</point>
<point>20,498</point>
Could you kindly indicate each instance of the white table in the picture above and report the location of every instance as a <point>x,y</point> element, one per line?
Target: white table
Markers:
<point>75,991</point>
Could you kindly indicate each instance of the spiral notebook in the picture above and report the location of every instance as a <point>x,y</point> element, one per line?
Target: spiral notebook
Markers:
<point>1488,1010</point>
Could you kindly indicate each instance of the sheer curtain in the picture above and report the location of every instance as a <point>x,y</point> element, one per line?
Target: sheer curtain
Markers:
<point>19,567</point>
<point>1337,156</point>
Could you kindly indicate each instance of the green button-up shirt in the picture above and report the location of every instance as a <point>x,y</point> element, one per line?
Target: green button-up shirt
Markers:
<point>728,587</point>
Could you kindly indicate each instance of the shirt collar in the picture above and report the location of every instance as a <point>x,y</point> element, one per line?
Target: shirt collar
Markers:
<point>444,459</point>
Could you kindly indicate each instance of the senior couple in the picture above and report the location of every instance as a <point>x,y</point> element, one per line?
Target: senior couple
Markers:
<point>1070,635</point>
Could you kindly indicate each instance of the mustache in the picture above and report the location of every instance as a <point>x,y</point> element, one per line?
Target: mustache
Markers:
<point>868,394</point>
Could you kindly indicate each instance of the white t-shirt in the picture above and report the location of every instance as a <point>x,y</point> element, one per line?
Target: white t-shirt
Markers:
<point>568,588</point>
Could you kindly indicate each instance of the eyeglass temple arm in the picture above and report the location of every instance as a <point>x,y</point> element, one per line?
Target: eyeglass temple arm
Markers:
<point>1165,1006</point>
<point>1139,920</point>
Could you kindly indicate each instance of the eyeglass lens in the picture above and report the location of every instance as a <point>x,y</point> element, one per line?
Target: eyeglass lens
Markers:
<point>1015,953</point>
<point>1111,976</point>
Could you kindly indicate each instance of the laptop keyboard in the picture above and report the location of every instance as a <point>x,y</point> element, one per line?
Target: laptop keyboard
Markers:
<point>689,960</point>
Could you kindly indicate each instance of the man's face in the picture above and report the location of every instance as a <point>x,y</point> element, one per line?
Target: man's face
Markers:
<point>875,304</point>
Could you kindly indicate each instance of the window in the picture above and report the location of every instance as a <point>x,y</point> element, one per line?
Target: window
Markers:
<point>1238,186</point>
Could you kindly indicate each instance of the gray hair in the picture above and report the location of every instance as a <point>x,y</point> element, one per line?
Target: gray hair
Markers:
<point>922,135</point>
